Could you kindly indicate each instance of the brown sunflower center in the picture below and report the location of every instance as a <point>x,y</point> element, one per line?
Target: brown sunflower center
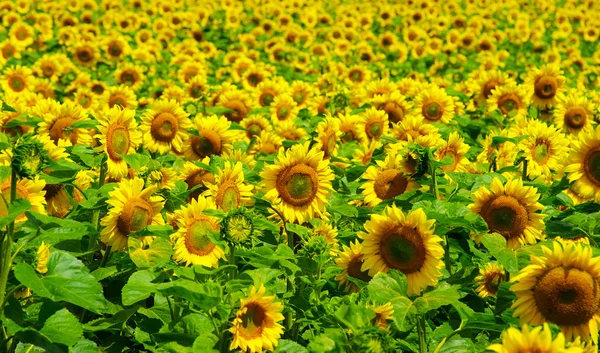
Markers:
<point>198,178</point>
<point>58,130</point>
<point>228,196</point>
<point>493,281</point>
<point>197,241</point>
<point>591,165</point>
<point>164,127</point>
<point>575,118</point>
<point>52,190</point>
<point>354,269</point>
<point>505,215</point>
<point>432,110</point>
<point>117,99</point>
<point>508,103</point>
<point>85,54</point>
<point>486,90</point>
<point>253,321</point>
<point>402,248</point>
<point>539,152</point>
<point>390,183</point>
<point>240,110</point>
<point>545,87</point>
<point>298,185</point>
<point>117,141</point>
<point>394,112</point>
<point>136,215</point>
<point>567,296</point>
<point>374,129</point>
<point>16,83</point>
<point>208,143</point>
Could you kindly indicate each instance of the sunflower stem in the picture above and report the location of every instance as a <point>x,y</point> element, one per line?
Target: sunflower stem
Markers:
<point>106,257</point>
<point>421,330</point>
<point>434,186</point>
<point>447,260</point>
<point>232,262</point>
<point>96,216</point>
<point>525,170</point>
<point>6,249</point>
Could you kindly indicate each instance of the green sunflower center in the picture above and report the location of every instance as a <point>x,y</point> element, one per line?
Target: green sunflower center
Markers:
<point>298,185</point>
<point>283,112</point>
<point>17,84</point>
<point>197,240</point>
<point>508,103</point>
<point>266,99</point>
<point>575,118</point>
<point>354,269</point>
<point>540,152</point>
<point>254,130</point>
<point>117,142</point>
<point>164,127</point>
<point>208,143</point>
<point>228,196</point>
<point>374,130</point>
<point>402,248</point>
<point>136,215</point>
<point>432,111</point>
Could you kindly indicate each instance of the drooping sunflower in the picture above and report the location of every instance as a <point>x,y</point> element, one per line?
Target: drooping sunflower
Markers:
<point>573,113</point>
<point>385,180</point>
<point>42,255</point>
<point>434,105</point>
<point>350,260</point>
<point>192,244</point>
<point>348,127</point>
<point>489,279</point>
<point>372,124</point>
<point>119,135</point>
<point>133,208</point>
<point>328,136</point>
<point>163,178</point>
<point>544,84</point>
<point>164,126</point>
<point>510,210</point>
<point>229,190</point>
<point>298,183</point>
<point>583,164</point>
<point>214,137</point>
<point>562,287</point>
<point>456,149</point>
<point>57,122</point>
<point>196,178</point>
<point>256,326</point>
<point>383,313</point>
<point>30,190</point>
<point>509,97</point>
<point>406,243</point>
<point>544,149</point>
<point>537,339</point>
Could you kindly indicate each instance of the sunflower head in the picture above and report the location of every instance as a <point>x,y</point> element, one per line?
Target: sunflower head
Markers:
<point>29,158</point>
<point>238,226</point>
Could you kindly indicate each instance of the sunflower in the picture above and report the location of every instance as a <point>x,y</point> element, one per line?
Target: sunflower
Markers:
<point>17,79</point>
<point>385,181</point>
<point>372,125</point>
<point>383,313</point>
<point>544,148</point>
<point>163,178</point>
<point>562,287</point>
<point>267,142</point>
<point>30,190</point>
<point>583,164</point>
<point>394,105</point>
<point>537,339</point>
<point>255,326</point>
<point>133,208</point>
<point>484,85</point>
<point>298,183</point>
<point>283,108</point>
<point>119,135</point>
<point>266,91</point>
<point>85,53</point>
<point>130,75</point>
<point>42,255</point>
<point>57,123</point>
<point>327,231</point>
<point>489,279</point>
<point>122,96</point>
<point>510,210</point>
<point>545,84</point>
<point>329,134</point>
<point>164,126</point>
<point>509,97</point>
<point>196,178</point>
<point>348,127</point>
<point>456,149</point>
<point>434,105</point>
<point>229,190</point>
<point>237,101</point>
<point>255,125</point>
<point>192,243</point>
<point>573,113</point>
<point>214,137</point>
<point>350,260</point>
<point>301,92</point>
<point>289,130</point>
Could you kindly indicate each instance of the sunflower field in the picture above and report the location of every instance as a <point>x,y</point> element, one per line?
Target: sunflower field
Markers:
<point>299,176</point>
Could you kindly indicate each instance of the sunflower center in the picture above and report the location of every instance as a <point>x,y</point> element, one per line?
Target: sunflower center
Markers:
<point>198,178</point>
<point>240,110</point>
<point>390,183</point>
<point>492,282</point>
<point>540,152</point>
<point>117,142</point>
<point>567,296</point>
<point>374,129</point>
<point>394,113</point>
<point>432,110</point>
<point>505,215</point>
<point>136,215</point>
<point>117,99</point>
<point>254,130</point>
<point>197,241</point>
<point>283,112</point>
<point>545,87</point>
<point>208,143</point>
<point>354,269</point>
<point>591,166</point>
<point>486,90</point>
<point>575,118</point>
<point>508,103</point>
<point>298,185</point>
<point>253,321</point>
<point>16,83</point>
<point>164,127</point>
<point>299,97</point>
<point>85,54</point>
<point>402,248</point>
<point>266,99</point>
<point>59,130</point>
<point>228,196</point>
<point>52,190</point>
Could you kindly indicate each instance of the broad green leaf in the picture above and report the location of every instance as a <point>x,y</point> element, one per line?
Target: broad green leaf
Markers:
<point>451,215</point>
<point>85,346</point>
<point>205,343</point>
<point>136,160</point>
<point>204,295</point>
<point>15,210</point>
<point>63,327</point>
<point>262,276</point>
<point>67,279</point>
<point>497,246</point>
<point>157,254</point>
<point>443,294</point>
<point>287,346</point>
<point>139,286</point>
<point>383,287</point>
<point>34,337</point>
<point>354,316</point>
<point>5,172</point>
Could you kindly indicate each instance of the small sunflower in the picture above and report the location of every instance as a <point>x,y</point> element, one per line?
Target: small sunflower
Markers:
<point>510,210</point>
<point>372,124</point>
<point>509,97</point>
<point>256,326</point>
<point>537,339</point>
<point>229,190</point>
<point>328,136</point>
<point>17,79</point>
<point>214,137</point>
<point>403,242</point>
<point>394,105</point>
<point>385,181</point>
<point>583,164</point>
<point>196,178</point>
<point>133,208</point>
<point>255,125</point>
<point>192,243</point>
<point>122,96</point>
<point>119,135</point>
<point>164,126</point>
<point>31,190</point>
<point>383,313</point>
<point>544,148</point>
<point>237,101</point>
<point>483,86</point>
<point>350,260</point>
<point>489,279</point>
<point>562,287</point>
<point>434,105</point>
<point>456,149</point>
<point>574,113</point>
<point>57,124</point>
<point>545,84</point>
<point>298,183</point>
<point>284,108</point>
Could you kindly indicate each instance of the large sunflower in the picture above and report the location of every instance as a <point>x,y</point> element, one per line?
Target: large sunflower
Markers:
<point>405,243</point>
<point>298,183</point>
<point>214,137</point>
<point>350,260</point>
<point>545,84</point>
<point>30,190</point>
<point>229,190</point>
<point>385,180</point>
<point>119,136</point>
<point>510,210</point>
<point>434,105</point>
<point>562,287</point>
<point>57,124</point>
<point>583,165</point>
<point>164,126</point>
<point>574,113</point>
<point>133,208</point>
<point>191,242</point>
<point>255,326</point>
<point>537,339</point>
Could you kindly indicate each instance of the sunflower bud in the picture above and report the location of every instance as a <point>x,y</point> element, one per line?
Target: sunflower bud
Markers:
<point>316,245</point>
<point>237,227</point>
<point>341,101</point>
<point>43,253</point>
<point>29,158</point>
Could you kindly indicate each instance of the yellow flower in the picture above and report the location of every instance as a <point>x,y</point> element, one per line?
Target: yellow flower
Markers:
<point>385,180</point>
<point>489,279</point>
<point>164,126</point>
<point>329,134</point>
<point>434,105</point>
<point>383,313</point>
<point>229,190</point>
<point>545,84</point>
<point>372,125</point>
<point>350,260</point>
<point>583,164</point>
<point>57,124</point>
<point>30,190</point>
<point>573,113</point>
<point>537,339</point>
<point>509,97</point>
<point>43,253</point>
<point>214,137</point>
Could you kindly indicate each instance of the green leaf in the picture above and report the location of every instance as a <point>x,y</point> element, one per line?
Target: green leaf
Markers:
<point>218,110</point>
<point>162,231</point>
<point>8,108</point>
<point>287,346</point>
<point>451,215</point>
<point>63,327</point>
<point>498,140</point>
<point>136,160</point>
<point>205,343</point>
<point>383,288</point>
<point>139,286</point>
<point>5,172</point>
<point>67,279</point>
<point>15,210</point>
<point>204,295</point>
<point>355,316</point>
<point>157,254</point>
<point>34,337</point>
<point>443,294</point>
<point>497,246</point>
<point>83,124</point>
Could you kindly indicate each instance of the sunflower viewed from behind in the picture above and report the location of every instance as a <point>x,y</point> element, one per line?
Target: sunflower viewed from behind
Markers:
<point>163,126</point>
<point>583,164</point>
<point>298,183</point>
<point>229,190</point>
<point>256,326</point>
<point>532,339</point>
<point>133,208</point>
<point>406,243</point>
<point>562,287</point>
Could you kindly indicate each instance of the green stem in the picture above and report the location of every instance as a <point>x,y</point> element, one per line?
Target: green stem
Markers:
<point>96,216</point>
<point>106,257</point>
<point>171,309</point>
<point>434,186</point>
<point>525,170</point>
<point>233,272</point>
<point>447,259</point>
<point>6,249</point>
<point>421,330</point>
